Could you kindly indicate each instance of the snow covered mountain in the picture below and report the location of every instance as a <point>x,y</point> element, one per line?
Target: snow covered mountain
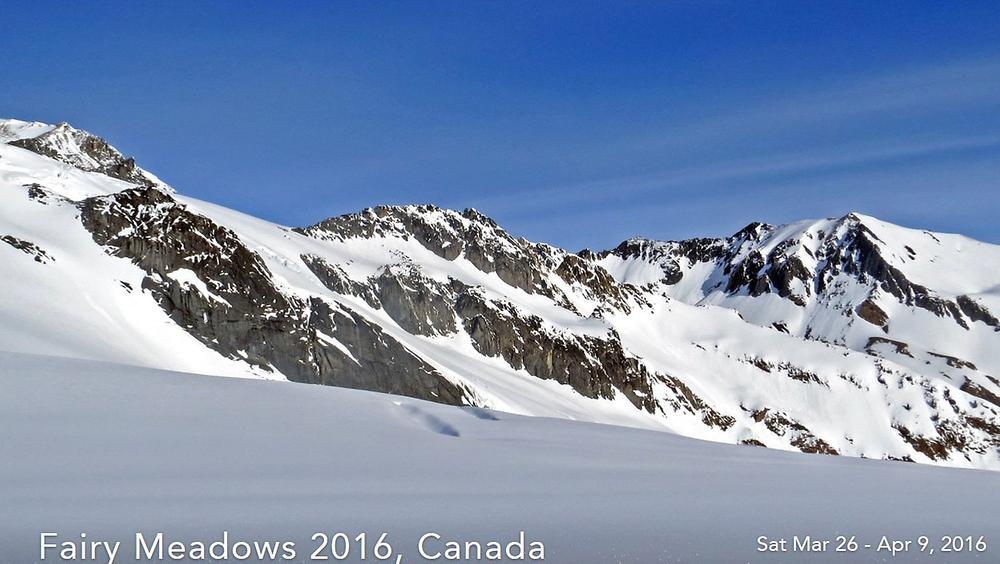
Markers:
<point>844,336</point>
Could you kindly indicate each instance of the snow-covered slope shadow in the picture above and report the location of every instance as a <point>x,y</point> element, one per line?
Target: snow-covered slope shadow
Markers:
<point>427,419</point>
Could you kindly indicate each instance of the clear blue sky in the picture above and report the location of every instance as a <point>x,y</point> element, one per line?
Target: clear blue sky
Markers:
<point>575,123</point>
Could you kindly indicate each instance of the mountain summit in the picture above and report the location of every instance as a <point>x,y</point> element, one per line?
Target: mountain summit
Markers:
<point>846,336</point>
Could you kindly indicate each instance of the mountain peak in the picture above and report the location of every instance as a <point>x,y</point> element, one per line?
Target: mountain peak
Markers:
<point>76,147</point>
<point>844,335</point>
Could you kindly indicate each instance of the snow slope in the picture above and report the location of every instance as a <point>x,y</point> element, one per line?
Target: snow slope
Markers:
<point>79,301</point>
<point>14,129</point>
<point>811,274</point>
<point>110,450</point>
<point>448,306</point>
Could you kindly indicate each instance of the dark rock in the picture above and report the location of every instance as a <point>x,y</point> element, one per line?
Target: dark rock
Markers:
<point>418,304</point>
<point>601,285</point>
<point>247,317</point>
<point>336,280</point>
<point>870,312</point>
<point>899,346</point>
<point>28,248</point>
<point>974,389</point>
<point>108,160</point>
<point>594,367</point>
<point>449,235</point>
<point>859,254</point>
<point>746,273</point>
<point>977,312</point>
<point>799,436</point>
<point>669,254</point>
<point>684,399</point>
<point>376,362</point>
<point>785,270</point>
<point>933,448</point>
<point>953,361</point>
<point>38,193</point>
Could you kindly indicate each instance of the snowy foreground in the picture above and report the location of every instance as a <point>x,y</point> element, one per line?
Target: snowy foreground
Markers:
<point>110,450</point>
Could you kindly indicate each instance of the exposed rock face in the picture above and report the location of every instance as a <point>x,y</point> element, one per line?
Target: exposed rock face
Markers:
<point>807,323</point>
<point>333,277</point>
<point>819,268</point>
<point>373,360</point>
<point>86,152</point>
<point>595,367</point>
<point>28,248</point>
<point>599,284</point>
<point>862,257</point>
<point>981,392</point>
<point>976,312</point>
<point>233,305</point>
<point>668,256</point>
<point>898,346</point>
<point>870,312</point>
<point>683,399</point>
<point>224,295</point>
<point>849,248</point>
<point>418,304</point>
<point>450,235</point>
<point>37,193</point>
<point>780,424</point>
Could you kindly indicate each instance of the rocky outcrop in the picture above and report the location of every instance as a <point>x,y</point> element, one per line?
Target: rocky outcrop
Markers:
<point>333,277</point>
<point>28,248</point>
<point>747,273</point>
<point>815,265</point>
<point>448,306</point>
<point>872,313</point>
<point>788,369</point>
<point>597,283</point>
<point>352,352</point>
<point>595,367</point>
<point>86,152</point>
<point>667,255</point>
<point>977,312</point>
<point>419,305</point>
<point>211,284</point>
<point>449,234</point>
<point>898,347</point>
<point>859,254</point>
<point>799,436</point>
<point>981,392</point>
<point>683,399</point>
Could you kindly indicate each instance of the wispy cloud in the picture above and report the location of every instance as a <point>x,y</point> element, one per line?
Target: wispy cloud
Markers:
<point>921,194</point>
<point>830,129</point>
<point>735,171</point>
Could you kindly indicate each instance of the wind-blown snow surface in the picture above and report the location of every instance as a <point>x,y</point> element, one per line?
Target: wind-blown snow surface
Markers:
<point>110,450</point>
<point>706,361</point>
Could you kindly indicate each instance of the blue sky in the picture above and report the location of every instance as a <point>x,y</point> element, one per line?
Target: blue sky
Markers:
<point>579,124</point>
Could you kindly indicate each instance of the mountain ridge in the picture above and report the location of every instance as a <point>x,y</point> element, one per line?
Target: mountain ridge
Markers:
<point>821,336</point>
